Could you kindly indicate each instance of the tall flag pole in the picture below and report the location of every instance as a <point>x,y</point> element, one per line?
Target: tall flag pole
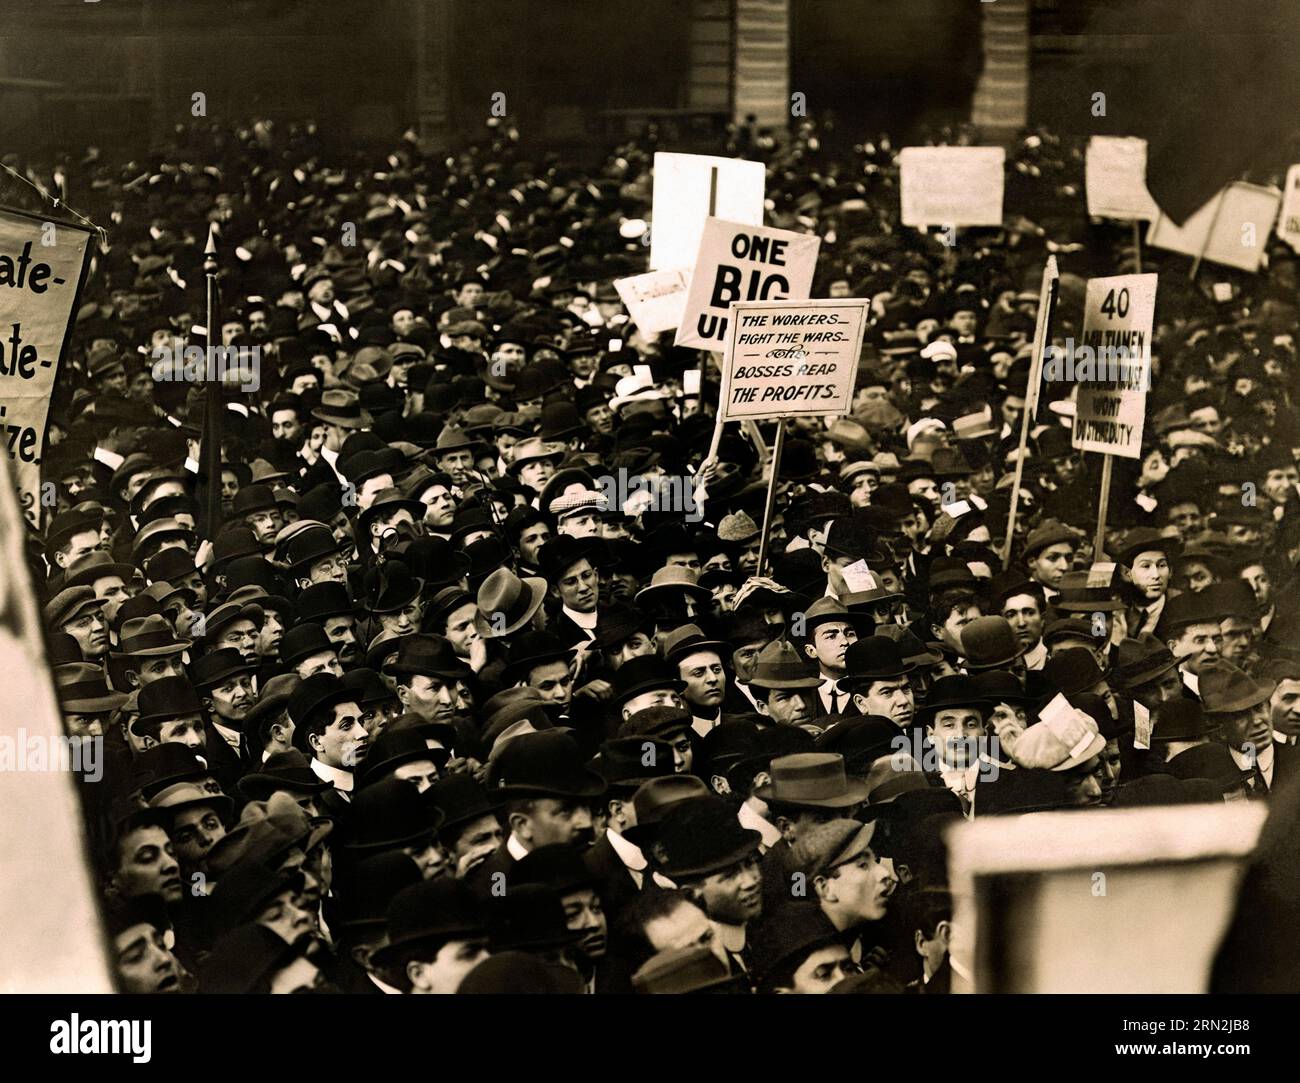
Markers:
<point>210,466</point>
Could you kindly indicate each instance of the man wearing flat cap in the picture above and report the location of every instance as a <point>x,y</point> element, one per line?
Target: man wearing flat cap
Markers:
<point>846,880</point>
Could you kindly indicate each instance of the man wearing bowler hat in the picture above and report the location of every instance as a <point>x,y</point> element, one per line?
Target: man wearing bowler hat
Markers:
<point>170,710</point>
<point>878,682</point>
<point>955,719</point>
<point>1192,632</point>
<point>548,793</point>
<point>227,686</point>
<point>437,932</point>
<point>327,727</point>
<point>702,848</point>
<point>426,671</point>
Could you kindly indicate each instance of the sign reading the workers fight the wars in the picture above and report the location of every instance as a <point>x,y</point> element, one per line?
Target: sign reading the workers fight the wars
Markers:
<point>1288,221</point>
<point>42,265</point>
<point>743,263</point>
<point>791,358</point>
<point>688,188</point>
<point>1115,176</point>
<point>1112,365</point>
<point>952,186</point>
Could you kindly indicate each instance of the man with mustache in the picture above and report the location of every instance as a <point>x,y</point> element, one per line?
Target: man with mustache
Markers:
<point>227,687</point>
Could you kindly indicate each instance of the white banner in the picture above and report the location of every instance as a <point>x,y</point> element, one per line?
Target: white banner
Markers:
<point>688,188</point>
<point>1288,221</point>
<point>1232,228</point>
<point>1115,176</point>
<point>743,263</point>
<point>791,358</point>
<point>655,300</point>
<point>952,186</point>
<point>41,267</point>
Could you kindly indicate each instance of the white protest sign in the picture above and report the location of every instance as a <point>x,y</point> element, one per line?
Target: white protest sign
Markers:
<point>1232,228</point>
<point>688,188</point>
<point>1115,176</point>
<point>791,358</point>
<point>655,300</point>
<point>42,264</point>
<point>743,263</point>
<point>1112,365</point>
<point>1288,222</point>
<point>952,186</point>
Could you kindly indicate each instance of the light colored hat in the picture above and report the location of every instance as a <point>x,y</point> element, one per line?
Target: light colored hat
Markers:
<point>737,527</point>
<point>1059,742</point>
<point>925,424</point>
<point>940,350</point>
<point>579,500</point>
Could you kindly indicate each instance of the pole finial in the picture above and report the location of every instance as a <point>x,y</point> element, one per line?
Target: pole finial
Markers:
<point>210,251</point>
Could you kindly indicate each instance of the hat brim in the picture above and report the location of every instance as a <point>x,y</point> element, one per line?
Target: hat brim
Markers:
<point>1254,699</point>
<point>723,861</point>
<point>855,794</point>
<point>1095,746</point>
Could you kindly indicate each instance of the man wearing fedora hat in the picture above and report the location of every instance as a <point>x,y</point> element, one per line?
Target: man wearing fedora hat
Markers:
<point>955,719</point>
<point>148,650</point>
<point>228,689</point>
<point>1192,633</point>
<point>699,666</point>
<point>830,631</point>
<point>785,685</point>
<point>1237,712</point>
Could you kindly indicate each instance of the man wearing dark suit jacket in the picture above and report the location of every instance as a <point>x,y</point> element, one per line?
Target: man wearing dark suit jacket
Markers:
<point>829,630</point>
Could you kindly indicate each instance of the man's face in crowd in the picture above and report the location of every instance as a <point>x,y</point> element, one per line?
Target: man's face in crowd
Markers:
<point>858,889</point>
<point>830,643</point>
<point>535,474</point>
<point>705,679</point>
<point>1285,706</point>
<point>531,541</point>
<point>462,629</point>
<point>1084,785</point>
<point>147,866</point>
<point>554,681</point>
<point>90,632</point>
<point>1238,639</point>
<point>341,632</point>
<point>637,645</point>
<point>578,587</point>
<point>112,589</point>
<point>286,428</point>
<point>1197,576</point>
<point>285,916</point>
<point>1013,408</point>
<point>143,961</point>
<point>949,632</point>
<point>440,507</point>
<point>1150,573</point>
<point>330,569</point>
<point>890,698</point>
<point>1280,484</point>
<point>232,698</point>
<point>403,321</point>
<point>583,913</point>
<point>344,742</point>
<point>79,545</point>
<point>185,730</point>
<point>1050,563</point>
<point>1186,516</point>
<point>1259,581</point>
<point>154,669</point>
<point>1206,420</point>
<point>443,973</point>
<point>321,292</point>
<point>600,419</point>
<point>195,830</point>
<point>475,843</point>
<point>732,896</point>
<point>265,524</point>
<point>685,926</point>
<point>788,706</point>
<point>457,465</point>
<point>403,621</point>
<point>1196,645</point>
<point>956,735</point>
<point>1023,613</point>
<point>1155,692</point>
<point>270,634</point>
<point>583,524</point>
<point>242,635</point>
<point>926,489</point>
<point>1249,731</point>
<point>655,697</point>
<point>229,488</point>
<point>432,698</point>
<point>469,294</point>
<point>823,969</point>
<point>555,820</point>
<point>321,662</point>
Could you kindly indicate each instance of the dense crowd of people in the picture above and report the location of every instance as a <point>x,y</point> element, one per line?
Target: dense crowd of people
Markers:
<point>486,677</point>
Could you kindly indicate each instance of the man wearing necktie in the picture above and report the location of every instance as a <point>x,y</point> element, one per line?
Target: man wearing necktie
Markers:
<point>829,631</point>
<point>1237,710</point>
